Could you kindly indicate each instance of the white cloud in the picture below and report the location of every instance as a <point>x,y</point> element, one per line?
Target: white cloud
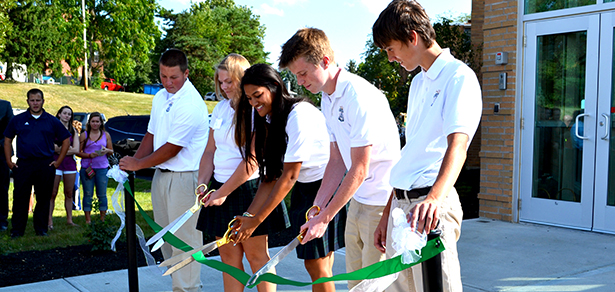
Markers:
<point>375,6</point>
<point>288,2</point>
<point>266,9</point>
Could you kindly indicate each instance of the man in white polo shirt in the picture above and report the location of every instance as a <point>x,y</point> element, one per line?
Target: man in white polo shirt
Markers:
<point>175,140</point>
<point>444,110</point>
<point>364,143</point>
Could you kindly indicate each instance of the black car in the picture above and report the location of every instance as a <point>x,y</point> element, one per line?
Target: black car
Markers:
<point>126,133</point>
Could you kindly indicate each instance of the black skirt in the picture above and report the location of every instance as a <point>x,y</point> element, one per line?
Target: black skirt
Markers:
<point>214,220</point>
<point>301,200</point>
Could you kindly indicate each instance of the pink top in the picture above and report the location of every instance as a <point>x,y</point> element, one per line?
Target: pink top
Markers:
<point>91,147</point>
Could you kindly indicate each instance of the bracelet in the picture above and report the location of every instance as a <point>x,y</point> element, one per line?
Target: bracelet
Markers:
<point>247,214</point>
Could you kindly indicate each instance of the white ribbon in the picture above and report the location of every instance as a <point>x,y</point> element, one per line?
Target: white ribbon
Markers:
<point>406,242</point>
<point>117,200</point>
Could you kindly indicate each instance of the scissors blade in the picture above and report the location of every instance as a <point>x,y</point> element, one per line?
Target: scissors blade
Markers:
<point>276,259</point>
<point>174,228</point>
<point>164,231</point>
<point>187,257</point>
<point>180,257</point>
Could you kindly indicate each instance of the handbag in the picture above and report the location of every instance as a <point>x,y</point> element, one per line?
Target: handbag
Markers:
<point>90,172</point>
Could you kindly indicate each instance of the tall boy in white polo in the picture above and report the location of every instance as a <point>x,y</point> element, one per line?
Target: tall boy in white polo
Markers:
<point>444,110</point>
<point>364,145</point>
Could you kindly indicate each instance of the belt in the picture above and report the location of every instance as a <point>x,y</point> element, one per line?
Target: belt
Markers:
<point>411,194</point>
<point>164,170</point>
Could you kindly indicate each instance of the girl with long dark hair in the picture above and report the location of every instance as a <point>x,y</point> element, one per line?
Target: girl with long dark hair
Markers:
<point>291,146</point>
<point>234,180</point>
<point>67,171</point>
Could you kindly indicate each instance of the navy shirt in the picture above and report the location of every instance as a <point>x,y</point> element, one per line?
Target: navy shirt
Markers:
<point>35,137</point>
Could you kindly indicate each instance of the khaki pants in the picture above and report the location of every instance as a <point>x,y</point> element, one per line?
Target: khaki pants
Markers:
<point>172,195</point>
<point>411,280</point>
<point>361,223</point>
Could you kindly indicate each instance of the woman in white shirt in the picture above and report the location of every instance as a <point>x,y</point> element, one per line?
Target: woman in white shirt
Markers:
<point>291,145</point>
<point>235,182</point>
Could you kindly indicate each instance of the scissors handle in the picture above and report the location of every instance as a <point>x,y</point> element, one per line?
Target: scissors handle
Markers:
<point>310,209</point>
<point>227,235</point>
<point>302,234</point>
<point>196,191</point>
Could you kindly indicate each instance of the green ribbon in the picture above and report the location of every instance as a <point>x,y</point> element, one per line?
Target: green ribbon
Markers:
<point>377,270</point>
<point>168,237</point>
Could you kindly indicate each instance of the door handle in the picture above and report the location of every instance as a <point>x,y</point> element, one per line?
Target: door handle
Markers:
<point>607,126</point>
<point>576,126</point>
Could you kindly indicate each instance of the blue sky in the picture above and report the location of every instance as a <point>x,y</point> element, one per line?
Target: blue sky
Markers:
<point>347,23</point>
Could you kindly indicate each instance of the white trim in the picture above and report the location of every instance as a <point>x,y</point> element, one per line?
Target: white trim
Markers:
<point>598,7</point>
<point>516,186</point>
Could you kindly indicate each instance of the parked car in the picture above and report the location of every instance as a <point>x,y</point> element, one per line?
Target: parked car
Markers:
<point>211,96</point>
<point>126,132</point>
<point>110,84</point>
<point>83,118</point>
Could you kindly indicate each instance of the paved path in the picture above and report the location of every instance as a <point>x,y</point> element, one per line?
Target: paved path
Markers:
<point>495,256</point>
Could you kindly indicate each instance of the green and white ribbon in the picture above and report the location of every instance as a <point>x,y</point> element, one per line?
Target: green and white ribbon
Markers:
<point>117,201</point>
<point>377,270</point>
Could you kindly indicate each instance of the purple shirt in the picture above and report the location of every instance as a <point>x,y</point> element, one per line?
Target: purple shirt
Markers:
<point>69,163</point>
<point>91,147</point>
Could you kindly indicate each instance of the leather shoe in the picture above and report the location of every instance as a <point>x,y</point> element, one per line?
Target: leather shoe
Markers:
<point>41,233</point>
<point>15,235</point>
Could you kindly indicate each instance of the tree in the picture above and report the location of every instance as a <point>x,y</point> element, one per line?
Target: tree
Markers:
<point>37,38</point>
<point>209,31</point>
<point>124,34</point>
<point>287,76</point>
<point>451,34</point>
<point>391,78</point>
<point>6,26</point>
<point>394,80</point>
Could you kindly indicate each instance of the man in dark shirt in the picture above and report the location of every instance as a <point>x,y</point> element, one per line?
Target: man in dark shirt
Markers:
<point>6,114</point>
<point>36,131</point>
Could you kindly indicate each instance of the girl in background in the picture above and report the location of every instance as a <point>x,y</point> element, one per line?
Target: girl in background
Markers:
<point>67,170</point>
<point>95,146</point>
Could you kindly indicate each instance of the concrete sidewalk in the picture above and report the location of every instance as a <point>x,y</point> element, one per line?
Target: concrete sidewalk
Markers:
<point>495,256</point>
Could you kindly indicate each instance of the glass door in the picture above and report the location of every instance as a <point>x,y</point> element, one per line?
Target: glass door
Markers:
<point>604,203</point>
<point>559,145</point>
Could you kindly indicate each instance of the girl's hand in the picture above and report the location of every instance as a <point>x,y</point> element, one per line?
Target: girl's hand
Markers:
<point>215,199</point>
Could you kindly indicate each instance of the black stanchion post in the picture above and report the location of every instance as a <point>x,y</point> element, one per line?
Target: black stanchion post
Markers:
<point>131,236</point>
<point>432,269</point>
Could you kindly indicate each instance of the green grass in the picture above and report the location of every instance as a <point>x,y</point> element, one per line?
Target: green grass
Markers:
<point>110,103</point>
<point>63,235</point>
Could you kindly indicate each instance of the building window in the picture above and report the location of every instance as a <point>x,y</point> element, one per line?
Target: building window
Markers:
<point>534,6</point>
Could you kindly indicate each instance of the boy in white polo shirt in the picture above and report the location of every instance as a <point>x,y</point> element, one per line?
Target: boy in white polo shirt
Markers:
<point>364,143</point>
<point>444,109</point>
<point>175,140</point>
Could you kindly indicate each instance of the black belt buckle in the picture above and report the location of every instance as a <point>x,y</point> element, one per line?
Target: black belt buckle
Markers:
<point>411,194</point>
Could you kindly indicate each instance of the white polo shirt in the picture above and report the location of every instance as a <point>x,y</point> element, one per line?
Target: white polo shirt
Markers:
<point>357,115</point>
<point>308,141</point>
<point>227,155</point>
<point>180,119</point>
<point>443,100</point>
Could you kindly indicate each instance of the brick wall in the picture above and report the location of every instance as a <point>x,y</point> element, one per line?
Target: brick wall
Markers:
<point>477,20</point>
<point>497,135</point>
